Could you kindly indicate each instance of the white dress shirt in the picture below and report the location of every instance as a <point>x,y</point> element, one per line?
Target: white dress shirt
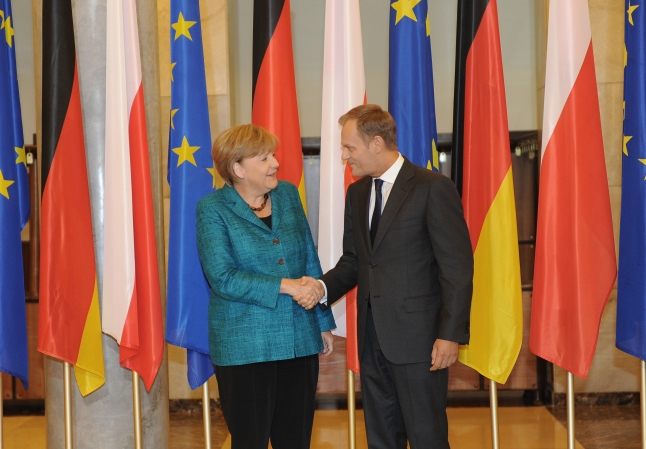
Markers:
<point>388,179</point>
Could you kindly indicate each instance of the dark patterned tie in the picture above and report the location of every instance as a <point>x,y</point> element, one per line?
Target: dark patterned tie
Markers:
<point>376,214</point>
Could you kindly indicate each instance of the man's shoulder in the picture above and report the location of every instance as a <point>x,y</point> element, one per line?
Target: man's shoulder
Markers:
<point>423,175</point>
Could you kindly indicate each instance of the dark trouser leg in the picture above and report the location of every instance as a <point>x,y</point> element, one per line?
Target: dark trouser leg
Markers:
<point>295,394</point>
<point>422,398</point>
<point>247,396</point>
<point>383,417</point>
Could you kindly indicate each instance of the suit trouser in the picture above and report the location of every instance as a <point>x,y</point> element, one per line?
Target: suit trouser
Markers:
<point>402,402</point>
<point>269,400</point>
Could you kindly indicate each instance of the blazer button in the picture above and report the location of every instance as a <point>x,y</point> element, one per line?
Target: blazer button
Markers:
<point>281,261</point>
<point>372,265</point>
<point>276,241</point>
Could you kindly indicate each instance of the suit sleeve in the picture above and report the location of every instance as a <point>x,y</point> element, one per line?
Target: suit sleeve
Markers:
<point>343,277</point>
<point>324,318</point>
<point>452,248</point>
<point>216,255</point>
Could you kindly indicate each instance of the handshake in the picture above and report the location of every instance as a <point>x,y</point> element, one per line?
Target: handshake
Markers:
<point>306,291</point>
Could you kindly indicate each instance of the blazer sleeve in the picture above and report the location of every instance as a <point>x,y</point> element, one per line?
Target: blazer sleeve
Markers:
<point>325,318</point>
<point>452,248</point>
<point>216,255</point>
<point>344,276</point>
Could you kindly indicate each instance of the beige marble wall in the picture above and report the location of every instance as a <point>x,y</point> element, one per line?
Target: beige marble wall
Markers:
<point>612,370</point>
<point>216,55</point>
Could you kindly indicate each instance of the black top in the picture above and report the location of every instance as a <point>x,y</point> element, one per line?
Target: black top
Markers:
<point>266,220</point>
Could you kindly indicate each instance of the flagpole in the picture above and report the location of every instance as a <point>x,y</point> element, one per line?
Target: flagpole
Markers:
<point>67,392</point>
<point>206,412</point>
<point>570,410</point>
<point>2,412</point>
<point>493,400</point>
<point>352,421</point>
<point>136,405</point>
<point>642,403</point>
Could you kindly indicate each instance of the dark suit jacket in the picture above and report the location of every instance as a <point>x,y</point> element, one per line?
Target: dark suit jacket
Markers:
<point>418,276</point>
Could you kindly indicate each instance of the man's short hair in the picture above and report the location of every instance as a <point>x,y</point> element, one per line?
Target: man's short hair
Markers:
<point>238,143</point>
<point>373,121</point>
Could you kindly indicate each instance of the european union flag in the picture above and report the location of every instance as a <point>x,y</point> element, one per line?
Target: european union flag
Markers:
<point>631,284</point>
<point>411,99</point>
<point>191,176</point>
<point>14,208</point>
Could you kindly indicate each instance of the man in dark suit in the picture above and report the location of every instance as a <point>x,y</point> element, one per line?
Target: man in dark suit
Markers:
<point>407,247</point>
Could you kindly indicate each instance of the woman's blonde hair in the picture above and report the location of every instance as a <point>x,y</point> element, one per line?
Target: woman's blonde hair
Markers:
<point>238,143</point>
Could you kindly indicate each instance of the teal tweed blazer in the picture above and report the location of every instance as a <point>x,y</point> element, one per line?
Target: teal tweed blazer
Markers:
<point>244,262</point>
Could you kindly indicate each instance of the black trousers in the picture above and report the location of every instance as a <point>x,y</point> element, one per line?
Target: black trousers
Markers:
<point>269,400</point>
<point>402,402</point>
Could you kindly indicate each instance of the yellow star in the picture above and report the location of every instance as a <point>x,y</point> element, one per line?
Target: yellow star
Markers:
<point>218,182</point>
<point>428,27</point>
<point>182,26</point>
<point>404,8</point>
<point>185,153</point>
<point>436,155</point>
<point>625,56</point>
<point>643,161</point>
<point>4,184</point>
<point>8,30</point>
<point>626,139</point>
<point>213,173</point>
<point>172,114</point>
<point>22,156</point>
<point>630,11</point>
<point>172,66</point>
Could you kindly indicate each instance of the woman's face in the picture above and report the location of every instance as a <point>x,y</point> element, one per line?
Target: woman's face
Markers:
<point>259,172</point>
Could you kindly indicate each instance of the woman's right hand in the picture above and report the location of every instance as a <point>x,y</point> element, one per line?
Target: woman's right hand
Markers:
<point>306,291</point>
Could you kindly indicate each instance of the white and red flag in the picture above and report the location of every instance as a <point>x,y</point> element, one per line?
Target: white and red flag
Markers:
<point>344,87</point>
<point>131,311</point>
<point>575,266</point>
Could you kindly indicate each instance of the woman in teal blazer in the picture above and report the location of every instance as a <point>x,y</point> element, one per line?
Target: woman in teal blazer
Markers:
<point>265,334</point>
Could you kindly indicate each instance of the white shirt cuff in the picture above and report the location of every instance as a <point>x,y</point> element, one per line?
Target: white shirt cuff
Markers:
<point>323,300</point>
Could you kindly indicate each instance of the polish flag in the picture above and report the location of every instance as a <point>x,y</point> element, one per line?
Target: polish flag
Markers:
<point>575,266</point>
<point>344,87</point>
<point>131,310</point>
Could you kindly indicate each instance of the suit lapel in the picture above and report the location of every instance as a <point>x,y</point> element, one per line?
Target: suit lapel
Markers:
<point>398,194</point>
<point>276,207</point>
<point>240,208</point>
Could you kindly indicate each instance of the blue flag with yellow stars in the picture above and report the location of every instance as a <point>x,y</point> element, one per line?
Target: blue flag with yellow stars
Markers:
<point>411,99</point>
<point>631,281</point>
<point>191,176</point>
<point>14,208</point>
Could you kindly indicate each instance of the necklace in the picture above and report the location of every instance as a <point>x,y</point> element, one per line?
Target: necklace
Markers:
<point>262,206</point>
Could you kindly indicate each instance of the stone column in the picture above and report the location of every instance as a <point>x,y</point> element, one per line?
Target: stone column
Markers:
<point>104,419</point>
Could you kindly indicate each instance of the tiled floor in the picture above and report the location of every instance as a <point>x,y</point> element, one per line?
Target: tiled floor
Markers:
<point>605,426</point>
<point>597,427</point>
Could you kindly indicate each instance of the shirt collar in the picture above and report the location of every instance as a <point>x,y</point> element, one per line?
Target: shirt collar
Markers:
<point>390,175</point>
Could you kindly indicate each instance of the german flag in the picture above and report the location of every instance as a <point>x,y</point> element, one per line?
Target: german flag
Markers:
<point>69,325</point>
<point>274,87</point>
<point>482,171</point>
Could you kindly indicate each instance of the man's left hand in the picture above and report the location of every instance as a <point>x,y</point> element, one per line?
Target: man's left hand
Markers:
<point>445,354</point>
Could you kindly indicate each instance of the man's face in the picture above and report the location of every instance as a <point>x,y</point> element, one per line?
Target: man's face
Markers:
<point>361,157</point>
